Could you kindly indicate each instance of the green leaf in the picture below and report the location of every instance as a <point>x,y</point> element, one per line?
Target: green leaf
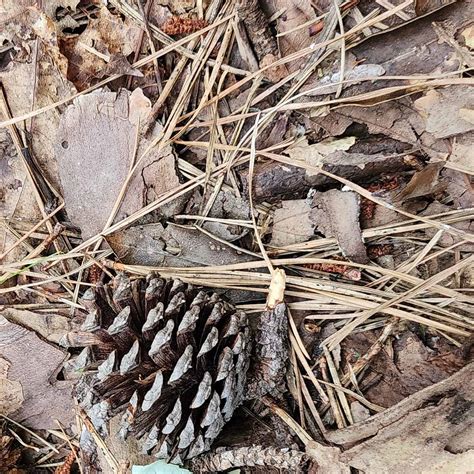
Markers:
<point>159,467</point>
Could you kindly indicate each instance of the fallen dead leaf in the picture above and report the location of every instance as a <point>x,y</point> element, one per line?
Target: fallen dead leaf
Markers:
<point>17,199</point>
<point>316,153</point>
<point>228,206</point>
<point>468,35</point>
<point>459,187</point>
<point>463,152</point>
<point>291,223</point>
<point>108,35</point>
<point>295,13</point>
<point>34,364</point>
<point>423,183</point>
<point>95,148</point>
<point>11,393</point>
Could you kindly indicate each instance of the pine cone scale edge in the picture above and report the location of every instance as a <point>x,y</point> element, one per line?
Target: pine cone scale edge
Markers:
<point>172,359</point>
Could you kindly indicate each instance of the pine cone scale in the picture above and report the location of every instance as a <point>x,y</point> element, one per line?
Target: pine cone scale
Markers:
<point>173,360</point>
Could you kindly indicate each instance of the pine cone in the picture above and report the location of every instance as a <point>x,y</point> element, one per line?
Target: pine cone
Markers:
<point>171,358</point>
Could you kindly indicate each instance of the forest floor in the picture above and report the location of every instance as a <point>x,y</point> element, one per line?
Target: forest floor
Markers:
<point>313,154</point>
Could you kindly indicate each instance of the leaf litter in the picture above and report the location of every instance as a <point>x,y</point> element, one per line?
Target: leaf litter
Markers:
<point>222,143</point>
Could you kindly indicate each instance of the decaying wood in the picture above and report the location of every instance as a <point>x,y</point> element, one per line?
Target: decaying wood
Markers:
<point>258,31</point>
<point>434,436</point>
<point>455,391</point>
<point>275,181</point>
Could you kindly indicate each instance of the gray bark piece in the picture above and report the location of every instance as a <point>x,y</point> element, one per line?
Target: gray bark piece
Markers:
<point>228,206</point>
<point>174,246</point>
<point>336,214</point>
<point>275,181</point>
<point>425,437</point>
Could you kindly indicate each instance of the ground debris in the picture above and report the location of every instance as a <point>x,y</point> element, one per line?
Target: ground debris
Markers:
<point>336,214</point>
<point>440,414</point>
<point>96,147</point>
<point>173,246</point>
<point>292,223</point>
<point>308,163</point>
<point>18,345</point>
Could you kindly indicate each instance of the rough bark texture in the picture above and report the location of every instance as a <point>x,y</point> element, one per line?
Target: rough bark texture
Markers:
<point>252,456</point>
<point>258,30</point>
<point>275,181</point>
<point>430,431</point>
<point>268,370</point>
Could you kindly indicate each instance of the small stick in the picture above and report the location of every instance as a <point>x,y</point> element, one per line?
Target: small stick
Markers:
<point>144,12</point>
<point>375,349</point>
<point>311,405</point>
<point>58,229</point>
<point>33,229</point>
<point>32,433</point>
<point>341,395</point>
<point>73,453</point>
<point>26,445</point>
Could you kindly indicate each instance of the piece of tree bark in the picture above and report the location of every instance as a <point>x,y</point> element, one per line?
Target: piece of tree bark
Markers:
<point>430,431</point>
<point>274,181</point>
<point>263,41</point>
<point>336,214</point>
<point>173,246</point>
<point>267,373</point>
